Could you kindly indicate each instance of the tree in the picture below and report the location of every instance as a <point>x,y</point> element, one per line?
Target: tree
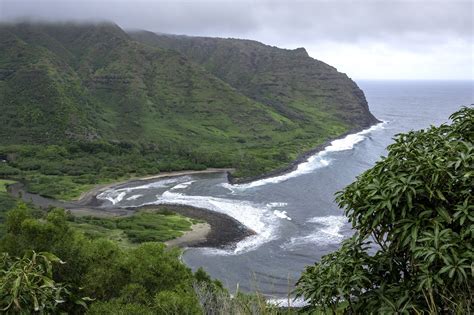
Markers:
<point>413,213</point>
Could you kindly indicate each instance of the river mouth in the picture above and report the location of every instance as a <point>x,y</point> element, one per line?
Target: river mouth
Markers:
<point>260,222</point>
<point>276,226</point>
<point>294,215</point>
<point>282,225</point>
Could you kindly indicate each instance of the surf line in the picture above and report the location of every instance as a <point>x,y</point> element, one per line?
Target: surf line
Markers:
<point>315,161</point>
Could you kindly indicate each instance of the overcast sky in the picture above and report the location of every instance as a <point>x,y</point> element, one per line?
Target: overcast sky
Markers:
<point>367,39</point>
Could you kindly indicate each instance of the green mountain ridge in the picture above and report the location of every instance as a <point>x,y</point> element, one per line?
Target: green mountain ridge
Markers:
<point>290,81</point>
<point>203,101</point>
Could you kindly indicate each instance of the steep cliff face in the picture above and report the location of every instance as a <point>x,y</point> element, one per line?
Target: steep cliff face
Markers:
<point>86,82</point>
<point>290,81</point>
<point>211,102</point>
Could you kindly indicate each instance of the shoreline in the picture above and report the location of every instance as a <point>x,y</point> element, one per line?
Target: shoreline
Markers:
<point>220,231</point>
<point>303,157</point>
<point>198,234</point>
<point>90,196</point>
<point>292,166</point>
<point>223,230</point>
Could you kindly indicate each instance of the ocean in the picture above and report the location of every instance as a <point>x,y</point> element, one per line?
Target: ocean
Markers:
<point>294,215</point>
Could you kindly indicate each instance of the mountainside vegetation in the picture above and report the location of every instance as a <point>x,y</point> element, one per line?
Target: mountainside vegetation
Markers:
<point>411,253</point>
<point>292,83</point>
<point>413,213</point>
<point>83,104</point>
<point>48,267</point>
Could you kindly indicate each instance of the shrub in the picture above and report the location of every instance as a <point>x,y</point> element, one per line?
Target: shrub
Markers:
<point>26,284</point>
<point>415,210</point>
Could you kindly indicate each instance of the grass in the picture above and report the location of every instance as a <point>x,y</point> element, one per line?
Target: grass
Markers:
<point>142,110</point>
<point>6,203</point>
<point>129,231</point>
<point>141,227</point>
<point>4,183</point>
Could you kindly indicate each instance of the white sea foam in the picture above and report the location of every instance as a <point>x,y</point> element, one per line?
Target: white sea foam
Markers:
<point>258,219</point>
<point>116,195</point>
<point>113,198</point>
<point>285,302</point>
<point>281,214</point>
<point>262,219</point>
<point>134,197</point>
<point>314,162</point>
<point>277,204</point>
<point>329,233</point>
<point>183,185</point>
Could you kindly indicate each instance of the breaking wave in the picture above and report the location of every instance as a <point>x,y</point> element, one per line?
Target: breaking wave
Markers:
<point>116,195</point>
<point>260,219</point>
<point>328,232</point>
<point>315,161</point>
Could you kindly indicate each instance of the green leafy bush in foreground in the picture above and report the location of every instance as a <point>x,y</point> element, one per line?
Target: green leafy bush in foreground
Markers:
<point>26,284</point>
<point>97,276</point>
<point>414,217</point>
<point>98,268</point>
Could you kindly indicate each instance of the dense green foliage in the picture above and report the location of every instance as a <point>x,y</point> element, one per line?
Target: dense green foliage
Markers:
<point>3,185</point>
<point>26,284</point>
<point>65,171</point>
<point>73,91</point>
<point>6,203</point>
<point>99,268</point>
<point>138,228</point>
<point>414,217</point>
<point>96,276</point>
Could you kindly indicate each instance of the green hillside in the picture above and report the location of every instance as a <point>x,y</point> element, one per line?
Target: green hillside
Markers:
<point>96,80</point>
<point>81,104</point>
<point>304,90</point>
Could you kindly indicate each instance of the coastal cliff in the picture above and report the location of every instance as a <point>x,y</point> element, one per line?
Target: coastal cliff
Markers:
<point>83,103</point>
<point>289,81</point>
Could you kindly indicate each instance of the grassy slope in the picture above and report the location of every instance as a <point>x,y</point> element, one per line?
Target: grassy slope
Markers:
<point>38,93</point>
<point>4,183</point>
<point>139,228</point>
<point>137,91</point>
<point>109,107</point>
<point>292,83</point>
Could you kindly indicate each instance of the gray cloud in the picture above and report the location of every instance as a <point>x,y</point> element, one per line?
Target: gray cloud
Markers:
<point>318,20</point>
<point>417,26</point>
<point>358,20</point>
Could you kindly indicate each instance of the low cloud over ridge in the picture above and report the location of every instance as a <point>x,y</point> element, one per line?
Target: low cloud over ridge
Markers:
<point>429,39</point>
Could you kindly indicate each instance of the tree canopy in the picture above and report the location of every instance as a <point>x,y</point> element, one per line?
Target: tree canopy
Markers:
<point>63,271</point>
<point>413,215</point>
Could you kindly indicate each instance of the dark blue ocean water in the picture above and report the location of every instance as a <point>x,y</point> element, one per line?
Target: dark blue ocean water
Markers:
<point>294,215</point>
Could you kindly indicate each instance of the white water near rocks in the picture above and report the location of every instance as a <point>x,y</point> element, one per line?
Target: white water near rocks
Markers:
<point>294,215</point>
<point>261,219</point>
